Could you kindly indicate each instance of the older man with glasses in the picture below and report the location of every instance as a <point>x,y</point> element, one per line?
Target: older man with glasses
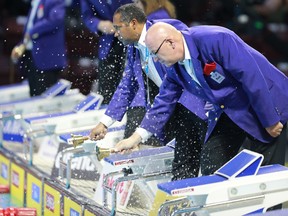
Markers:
<point>249,95</point>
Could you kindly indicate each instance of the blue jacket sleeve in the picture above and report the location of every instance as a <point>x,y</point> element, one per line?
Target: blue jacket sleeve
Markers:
<point>126,89</point>
<point>164,104</point>
<point>91,21</point>
<point>53,18</point>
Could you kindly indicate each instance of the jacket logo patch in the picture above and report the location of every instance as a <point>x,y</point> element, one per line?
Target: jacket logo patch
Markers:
<point>210,70</point>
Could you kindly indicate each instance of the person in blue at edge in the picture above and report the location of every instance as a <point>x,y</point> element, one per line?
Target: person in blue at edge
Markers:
<point>97,16</point>
<point>42,52</point>
<point>249,94</point>
<point>131,25</point>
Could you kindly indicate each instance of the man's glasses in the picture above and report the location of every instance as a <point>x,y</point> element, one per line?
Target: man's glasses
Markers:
<point>154,54</point>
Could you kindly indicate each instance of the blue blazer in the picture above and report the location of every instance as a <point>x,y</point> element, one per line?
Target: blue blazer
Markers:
<point>49,50</point>
<point>253,93</point>
<point>93,11</point>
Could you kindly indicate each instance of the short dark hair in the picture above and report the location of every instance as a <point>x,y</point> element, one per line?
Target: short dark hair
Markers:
<point>131,11</point>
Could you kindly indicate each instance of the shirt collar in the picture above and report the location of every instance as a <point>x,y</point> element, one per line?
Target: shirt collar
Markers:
<point>141,39</point>
<point>187,55</point>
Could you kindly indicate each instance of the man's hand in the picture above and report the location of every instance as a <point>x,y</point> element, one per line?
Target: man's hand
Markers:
<point>129,144</point>
<point>106,27</point>
<point>17,52</point>
<point>98,132</point>
<point>275,130</point>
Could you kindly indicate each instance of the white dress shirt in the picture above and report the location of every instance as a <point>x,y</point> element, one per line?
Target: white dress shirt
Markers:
<point>146,58</point>
<point>188,63</point>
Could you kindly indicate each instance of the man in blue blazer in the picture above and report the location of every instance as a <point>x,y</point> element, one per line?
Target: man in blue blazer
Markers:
<point>249,95</point>
<point>131,25</point>
<point>97,16</point>
<point>42,50</point>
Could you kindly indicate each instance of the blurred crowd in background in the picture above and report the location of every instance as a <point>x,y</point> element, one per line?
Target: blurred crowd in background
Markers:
<point>261,23</point>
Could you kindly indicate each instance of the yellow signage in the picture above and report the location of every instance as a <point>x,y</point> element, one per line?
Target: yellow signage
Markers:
<point>71,208</point>
<point>4,170</point>
<point>34,193</point>
<point>17,185</point>
<point>51,202</point>
<point>88,213</point>
<point>159,199</point>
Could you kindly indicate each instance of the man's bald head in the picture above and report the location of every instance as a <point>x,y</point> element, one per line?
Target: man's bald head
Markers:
<point>158,32</point>
<point>166,41</point>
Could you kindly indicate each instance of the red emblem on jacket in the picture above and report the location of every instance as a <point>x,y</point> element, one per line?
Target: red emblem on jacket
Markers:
<point>209,68</point>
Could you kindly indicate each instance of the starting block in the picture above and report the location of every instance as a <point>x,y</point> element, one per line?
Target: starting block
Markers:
<point>148,166</point>
<point>36,129</point>
<point>85,113</point>
<point>55,98</point>
<point>83,147</point>
<point>14,92</point>
<point>239,187</point>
